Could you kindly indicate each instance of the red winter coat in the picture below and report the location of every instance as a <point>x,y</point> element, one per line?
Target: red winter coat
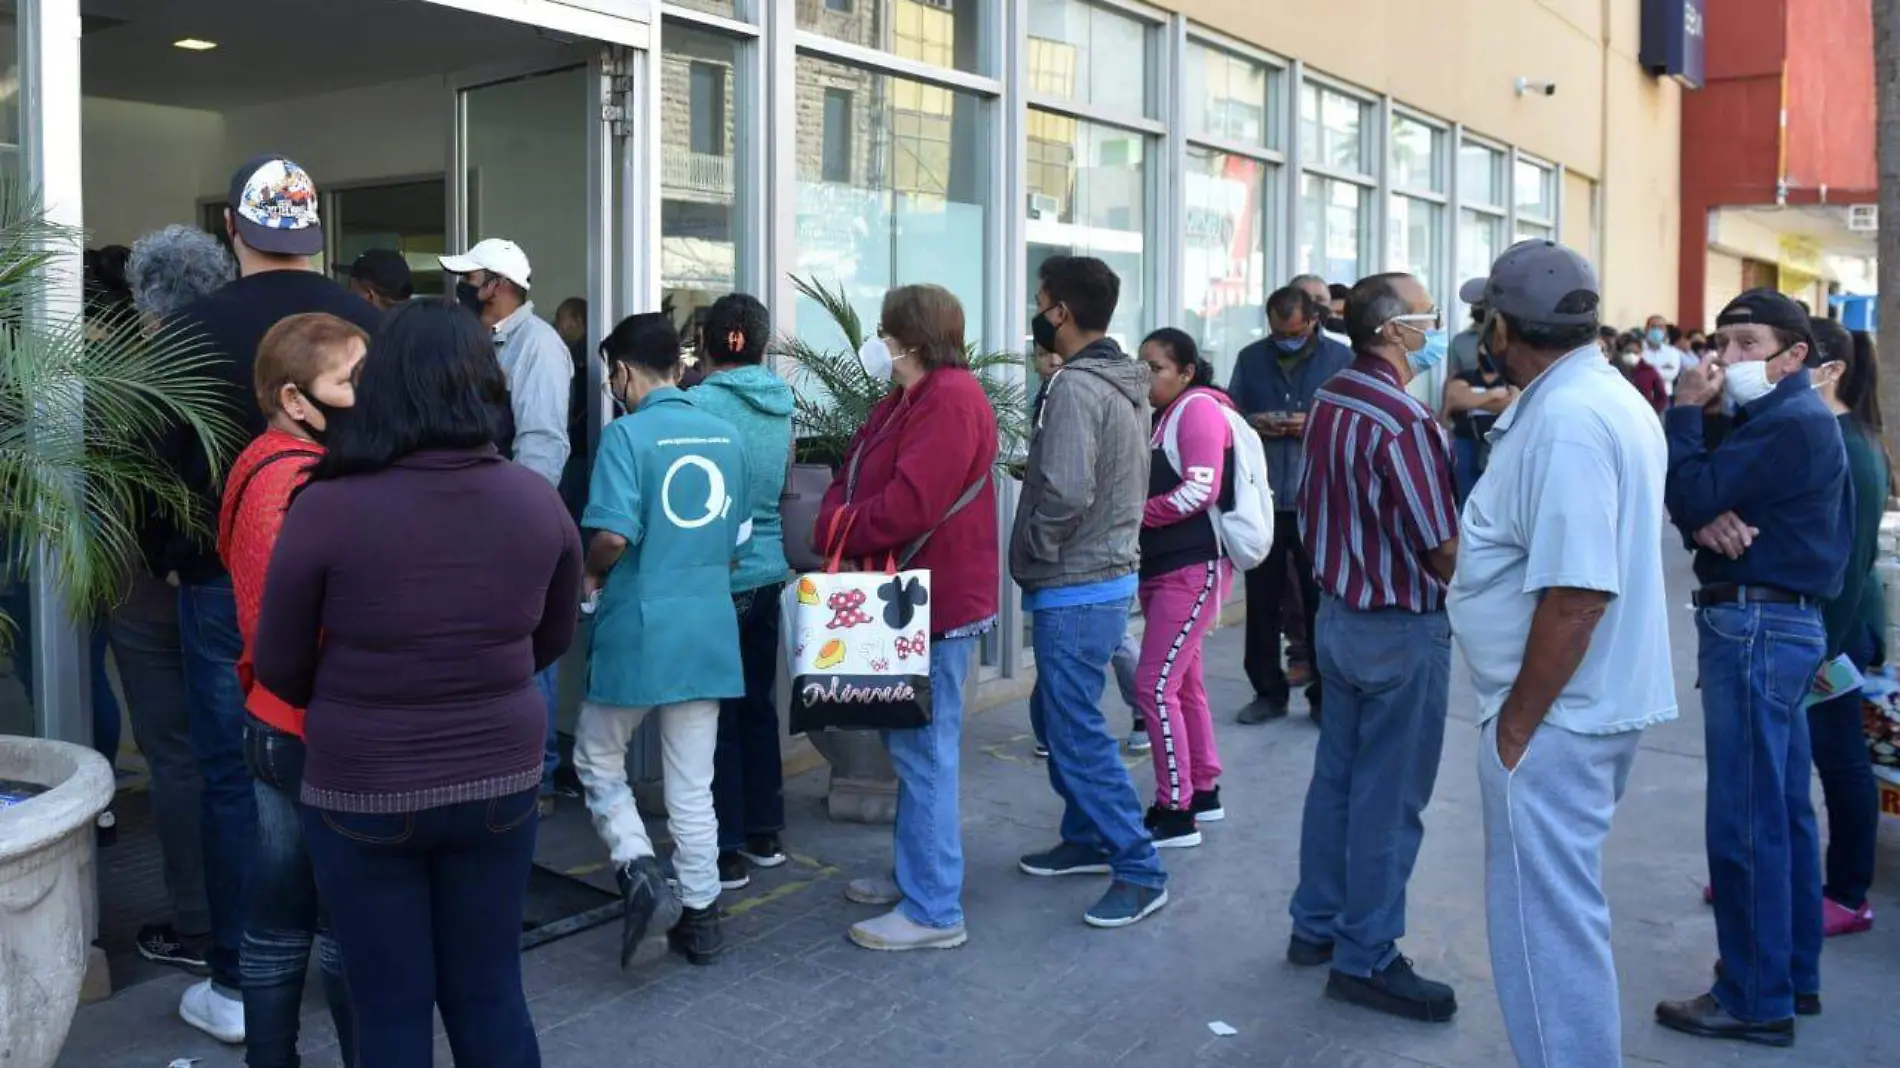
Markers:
<point>918,452</point>
<point>256,495</point>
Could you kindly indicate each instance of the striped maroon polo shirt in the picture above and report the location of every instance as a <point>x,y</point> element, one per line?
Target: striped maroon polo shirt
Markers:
<point>1378,491</point>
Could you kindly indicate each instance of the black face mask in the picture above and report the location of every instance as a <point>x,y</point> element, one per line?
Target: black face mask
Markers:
<point>469,296</point>
<point>333,416</point>
<point>1336,325</point>
<point>1043,331</point>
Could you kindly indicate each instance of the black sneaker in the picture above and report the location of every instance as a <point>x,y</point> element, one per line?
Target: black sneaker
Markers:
<point>1206,806</point>
<point>1262,710</point>
<point>763,850</point>
<point>643,888</point>
<point>735,873</point>
<point>1303,954</point>
<point>1069,858</point>
<point>1041,751</point>
<point>1397,990</point>
<point>1172,829</point>
<point>697,936</point>
<point>161,943</point>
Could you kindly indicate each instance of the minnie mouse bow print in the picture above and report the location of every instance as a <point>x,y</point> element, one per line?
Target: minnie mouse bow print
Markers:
<point>902,597</point>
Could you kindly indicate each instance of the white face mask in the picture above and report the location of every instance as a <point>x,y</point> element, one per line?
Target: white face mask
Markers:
<point>1747,382</point>
<point>875,356</point>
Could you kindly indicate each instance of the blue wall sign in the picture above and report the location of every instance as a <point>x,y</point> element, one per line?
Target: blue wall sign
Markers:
<point>1674,40</point>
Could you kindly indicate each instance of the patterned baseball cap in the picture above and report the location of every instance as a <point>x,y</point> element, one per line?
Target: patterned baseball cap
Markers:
<point>275,205</point>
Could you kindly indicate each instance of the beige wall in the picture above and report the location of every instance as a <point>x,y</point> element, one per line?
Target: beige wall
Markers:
<point>1610,121</point>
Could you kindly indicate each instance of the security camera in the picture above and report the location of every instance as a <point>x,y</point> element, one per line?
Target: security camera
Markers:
<point>1526,87</point>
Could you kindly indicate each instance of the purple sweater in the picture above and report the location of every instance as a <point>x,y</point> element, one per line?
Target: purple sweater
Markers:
<point>408,611</point>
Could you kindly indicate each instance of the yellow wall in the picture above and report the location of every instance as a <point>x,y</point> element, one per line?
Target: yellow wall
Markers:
<point>1460,59</point>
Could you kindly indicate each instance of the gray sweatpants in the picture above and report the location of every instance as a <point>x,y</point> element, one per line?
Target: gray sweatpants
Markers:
<point>1549,922</point>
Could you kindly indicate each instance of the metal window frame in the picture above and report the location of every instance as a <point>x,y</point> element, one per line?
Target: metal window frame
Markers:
<point>1194,36</point>
<point>1504,180</point>
<point>1443,162</point>
<point>1552,178</point>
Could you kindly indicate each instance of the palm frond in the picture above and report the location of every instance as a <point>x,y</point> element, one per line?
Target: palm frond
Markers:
<point>84,401</point>
<point>835,396</point>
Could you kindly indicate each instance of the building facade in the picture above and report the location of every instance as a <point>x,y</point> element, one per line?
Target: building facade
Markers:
<point>1779,185</point>
<point>656,155</point>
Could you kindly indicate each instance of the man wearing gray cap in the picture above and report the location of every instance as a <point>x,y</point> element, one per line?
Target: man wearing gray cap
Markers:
<point>1558,603</point>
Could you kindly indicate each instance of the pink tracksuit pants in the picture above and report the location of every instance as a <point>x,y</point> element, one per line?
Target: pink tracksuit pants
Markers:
<point>1179,607</point>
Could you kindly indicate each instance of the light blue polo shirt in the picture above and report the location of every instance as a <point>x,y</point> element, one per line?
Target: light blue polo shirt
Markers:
<point>1572,497</point>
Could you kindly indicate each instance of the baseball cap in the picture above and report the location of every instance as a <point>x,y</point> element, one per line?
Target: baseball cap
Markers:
<point>274,203</point>
<point>1539,281</point>
<point>1768,307</point>
<point>496,256</point>
<point>386,271</point>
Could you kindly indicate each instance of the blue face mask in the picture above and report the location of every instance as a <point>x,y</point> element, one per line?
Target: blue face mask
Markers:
<point>1437,346</point>
<point>1657,337</point>
<point>1289,345</point>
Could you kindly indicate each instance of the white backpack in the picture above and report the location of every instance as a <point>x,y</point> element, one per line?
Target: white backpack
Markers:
<point>1245,534</point>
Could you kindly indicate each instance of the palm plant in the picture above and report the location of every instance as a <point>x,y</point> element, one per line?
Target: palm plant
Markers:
<point>835,396</point>
<point>83,400</point>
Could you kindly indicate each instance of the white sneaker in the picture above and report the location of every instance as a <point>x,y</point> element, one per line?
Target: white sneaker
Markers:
<point>894,932</point>
<point>213,1013</point>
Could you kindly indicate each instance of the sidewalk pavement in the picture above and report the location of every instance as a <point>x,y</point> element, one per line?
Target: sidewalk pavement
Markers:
<point>1036,986</point>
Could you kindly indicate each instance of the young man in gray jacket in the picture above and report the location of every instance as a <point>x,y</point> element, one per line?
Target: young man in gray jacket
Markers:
<point>1075,554</point>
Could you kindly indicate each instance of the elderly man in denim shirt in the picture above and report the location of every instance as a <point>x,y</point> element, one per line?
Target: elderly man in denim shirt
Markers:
<point>492,281</point>
<point>1561,611</point>
<point>1770,511</point>
<point>1273,385</point>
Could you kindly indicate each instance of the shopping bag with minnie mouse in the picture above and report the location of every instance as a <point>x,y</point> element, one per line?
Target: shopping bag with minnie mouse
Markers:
<point>858,642</point>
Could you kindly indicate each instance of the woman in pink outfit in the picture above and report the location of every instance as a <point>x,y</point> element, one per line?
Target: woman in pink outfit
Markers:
<point>1184,579</point>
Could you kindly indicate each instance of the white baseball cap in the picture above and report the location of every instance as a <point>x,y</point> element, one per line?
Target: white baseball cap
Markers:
<point>496,256</point>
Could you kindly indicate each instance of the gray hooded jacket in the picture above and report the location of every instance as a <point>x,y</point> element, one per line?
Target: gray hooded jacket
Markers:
<point>1080,516</point>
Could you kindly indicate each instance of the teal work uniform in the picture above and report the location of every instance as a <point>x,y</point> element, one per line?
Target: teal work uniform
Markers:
<point>672,480</point>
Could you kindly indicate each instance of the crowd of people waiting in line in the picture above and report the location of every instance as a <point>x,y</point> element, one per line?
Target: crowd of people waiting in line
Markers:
<point>358,677</point>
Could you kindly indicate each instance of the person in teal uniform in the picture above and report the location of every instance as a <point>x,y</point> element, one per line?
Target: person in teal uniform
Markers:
<point>668,509</point>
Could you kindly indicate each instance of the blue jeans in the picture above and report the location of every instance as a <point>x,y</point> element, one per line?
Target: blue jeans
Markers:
<point>748,778</point>
<point>1846,768</point>
<point>1757,662</point>
<point>427,908</point>
<point>1100,808</point>
<point>928,841</point>
<point>1465,468</point>
<point>208,635</point>
<point>286,918</point>
<point>549,683</point>
<point>1387,677</point>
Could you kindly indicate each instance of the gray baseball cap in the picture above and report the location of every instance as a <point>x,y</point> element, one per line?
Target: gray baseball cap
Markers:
<point>1539,281</point>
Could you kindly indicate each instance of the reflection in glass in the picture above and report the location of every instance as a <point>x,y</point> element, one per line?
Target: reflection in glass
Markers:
<point>1412,240</point>
<point>727,8</point>
<point>890,191</point>
<point>1532,184</point>
<point>1480,240</point>
<point>1226,96</point>
<point>942,33</point>
<point>526,150</point>
<point>1415,156</point>
<point>1088,55</point>
<point>1332,129</point>
<point>699,182</point>
<point>1224,258</point>
<point>1088,196</point>
<point>1332,215</point>
<point>1479,180</point>
<point>1527,231</point>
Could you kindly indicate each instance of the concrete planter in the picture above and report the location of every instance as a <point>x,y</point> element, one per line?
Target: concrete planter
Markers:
<point>863,782</point>
<point>48,909</point>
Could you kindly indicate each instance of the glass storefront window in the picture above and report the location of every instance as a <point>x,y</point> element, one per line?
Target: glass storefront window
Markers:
<point>1333,129</point>
<point>890,190</point>
<point>727,8</point>
<point>699,181</point>
<point>1412,237</point>
<point>1332,226</point>
<point>407,217</point>
<point>942,33</point>
<point>1224,254</point>
<point>1480,242</point>
<point>1532,186</point>
<point>1415,156</point>
<point>1226,96</point>
<point>1480,175</point>
<point>1088,55</point>
<point>1088,196</point>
